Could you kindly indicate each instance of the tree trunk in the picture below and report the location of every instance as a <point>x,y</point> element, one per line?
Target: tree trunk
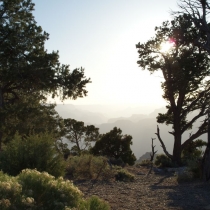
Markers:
<point>1,117</point>
<point>206,156</point>
<point>206,164</point>
<point>177,150</point>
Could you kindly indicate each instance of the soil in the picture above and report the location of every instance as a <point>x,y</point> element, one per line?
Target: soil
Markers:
<point>158,191</point>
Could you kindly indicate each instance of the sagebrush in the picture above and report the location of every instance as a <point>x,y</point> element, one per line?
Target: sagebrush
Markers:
<point>34,190</point>
<point>34,151</point>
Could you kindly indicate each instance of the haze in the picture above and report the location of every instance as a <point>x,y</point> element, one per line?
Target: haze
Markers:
<point>101,36</point>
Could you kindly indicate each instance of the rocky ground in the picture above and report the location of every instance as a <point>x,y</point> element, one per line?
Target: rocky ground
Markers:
<point>158,191</point>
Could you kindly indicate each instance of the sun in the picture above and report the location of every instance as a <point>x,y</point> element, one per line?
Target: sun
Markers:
<point>166,46</point>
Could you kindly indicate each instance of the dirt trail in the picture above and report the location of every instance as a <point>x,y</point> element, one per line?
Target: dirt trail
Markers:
<point>157,192</point>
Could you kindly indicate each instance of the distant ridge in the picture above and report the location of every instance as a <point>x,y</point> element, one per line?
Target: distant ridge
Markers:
<point>71,111</point>
<point>145,157</point>
<point>141,127</point>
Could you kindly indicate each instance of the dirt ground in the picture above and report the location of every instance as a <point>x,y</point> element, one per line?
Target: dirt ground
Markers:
<point>158,191</point>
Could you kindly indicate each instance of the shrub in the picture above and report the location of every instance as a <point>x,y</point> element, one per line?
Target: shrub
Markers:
<point>194,167</point>
<point>145,162</point>
<point>193,151</point>
<point>35,151</point>
<point>124,175</point>
<point>10,192</point>
<point>116,162</point>
<point>48,191</point>
<point>191,172</point>
<point>95,203</point>
<point>88,167</point>
<point>163,161</point>
<point>35,190</point>
<point>184,176</point>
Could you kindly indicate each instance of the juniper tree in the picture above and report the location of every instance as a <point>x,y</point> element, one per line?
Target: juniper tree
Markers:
<point>185,68</point>
<point>25,65</point>
<point>115,145</point>
<point>197,12</point>
<point>80,135</point>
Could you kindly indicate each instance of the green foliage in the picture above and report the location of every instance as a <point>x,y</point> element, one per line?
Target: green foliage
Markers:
<point>34,190</point>
<point>95,203</point>
<point>193,151</point>
<point>114,144</point>
<point>80,135</point>
<point>63,148</point>
<point>24,60</point>
<point>48,191</point>
<point>34,151</point>
<point>145,162</point>
<point>10,193</point>
<point>88,167</point>
<point>163,161</point>
<point>124,175</point>
<point>27,69</point>
<point>29,115</point>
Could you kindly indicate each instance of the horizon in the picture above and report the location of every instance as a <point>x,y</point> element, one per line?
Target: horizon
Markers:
<point>116,110</point>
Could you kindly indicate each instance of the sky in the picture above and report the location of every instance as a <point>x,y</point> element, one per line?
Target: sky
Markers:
<point>101,37</point>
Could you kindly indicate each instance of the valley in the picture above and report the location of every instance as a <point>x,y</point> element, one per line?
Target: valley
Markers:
<point>137,122</point>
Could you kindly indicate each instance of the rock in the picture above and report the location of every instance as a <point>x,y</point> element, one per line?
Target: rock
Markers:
<point>140,173</point>
<point>157,170</point>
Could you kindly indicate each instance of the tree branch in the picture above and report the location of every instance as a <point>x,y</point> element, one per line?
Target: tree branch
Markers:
<point>162,144</point>
<point>152,157</point>
<point>202,130</point>
<point>193,103</point>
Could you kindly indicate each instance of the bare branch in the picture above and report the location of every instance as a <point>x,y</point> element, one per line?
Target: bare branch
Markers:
<point>152,157</point>
<point>194,102</point>
<point>162,144</point>
<point>171,132</point>
<point>153,151</point>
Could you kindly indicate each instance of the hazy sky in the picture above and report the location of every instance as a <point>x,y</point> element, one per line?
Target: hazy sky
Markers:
<point>100,36</point>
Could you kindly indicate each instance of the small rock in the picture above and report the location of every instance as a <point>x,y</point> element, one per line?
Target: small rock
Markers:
<point>157,170</point>
<point>140,173</point>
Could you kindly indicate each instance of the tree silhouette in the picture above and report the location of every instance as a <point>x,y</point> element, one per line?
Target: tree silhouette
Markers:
<point>80,135</point>
<point>114,144</point>
<point>185,68</point>
<point>25,66</point>
<point>197,12</point>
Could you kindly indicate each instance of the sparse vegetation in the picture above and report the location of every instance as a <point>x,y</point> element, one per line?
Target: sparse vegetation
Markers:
<point>145,162</point>
<point>124,175</point>
<point>163,161</point>
<point>34,151</point>
<point>89,167</point>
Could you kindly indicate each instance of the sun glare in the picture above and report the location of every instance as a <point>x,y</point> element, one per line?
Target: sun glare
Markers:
<point>166,46</point>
